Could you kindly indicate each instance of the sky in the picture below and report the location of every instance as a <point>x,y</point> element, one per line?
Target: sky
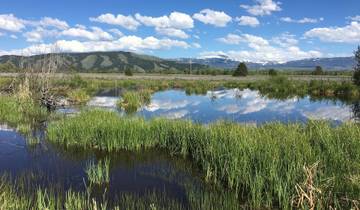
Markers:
<point>243,30</point>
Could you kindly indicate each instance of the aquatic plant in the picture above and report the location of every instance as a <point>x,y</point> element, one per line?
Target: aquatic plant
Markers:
<point>32,141</point>
<point>263,164</point>
<point>131,101</point>
<point>99,173</point>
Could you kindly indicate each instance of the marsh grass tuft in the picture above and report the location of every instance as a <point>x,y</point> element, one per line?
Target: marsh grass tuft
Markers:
<point>99,173</point>
<point>263,164</point>
<point>131,101</point>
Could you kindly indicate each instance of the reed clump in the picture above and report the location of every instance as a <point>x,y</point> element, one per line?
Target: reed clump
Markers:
<point>21,113</point>
<point>99,173</point>
<point>263,164</point>
<point>131,101</point>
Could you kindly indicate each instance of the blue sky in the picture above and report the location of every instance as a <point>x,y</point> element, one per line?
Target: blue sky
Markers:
<point>245,30</point>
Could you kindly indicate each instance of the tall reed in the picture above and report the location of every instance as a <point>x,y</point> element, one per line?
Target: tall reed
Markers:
<point>264,164</point>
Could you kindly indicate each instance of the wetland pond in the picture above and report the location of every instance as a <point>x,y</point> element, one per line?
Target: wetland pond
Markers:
<point>243,106</point>
<point>155,171</point>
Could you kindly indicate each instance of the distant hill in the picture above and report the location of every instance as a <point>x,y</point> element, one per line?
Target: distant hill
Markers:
<point>100,62</point>
<point>336,63</point>
<point>119,61</point>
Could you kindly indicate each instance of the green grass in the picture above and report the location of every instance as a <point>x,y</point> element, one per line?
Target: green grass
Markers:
<point>99,173</point>
<point>263,164</point>
<point>17,197</point>
<point>131,101</point>
<point>21,114</point>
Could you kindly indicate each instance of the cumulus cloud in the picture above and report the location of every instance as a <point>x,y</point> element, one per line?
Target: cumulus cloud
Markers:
<point>172,25</point>
<point>285,40</point>
<point>248,21</point>
<point>216,18</point>
<point>116,32</point>
<point>127,22</point>
<point>231,39</point>
<point>262,7</point>
<point>347,34</point>
<point>355,18</point>
<point>38,34</point>
<point>176,20</point>
<point>173,32</point>
<point>9,22</point>
<point>130,43</point>
<point>53,22</point>
<point>95,34</point>
<point>262,50</point>
<point>303,20</point>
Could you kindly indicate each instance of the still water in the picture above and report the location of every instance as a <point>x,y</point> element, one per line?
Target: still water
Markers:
<point>244,106</point>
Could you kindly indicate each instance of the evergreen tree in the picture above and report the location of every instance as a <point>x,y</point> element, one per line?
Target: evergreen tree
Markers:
<point>318,71</point>
<point>241,70</point>
<point>356,76</point>
<point>272,72</point>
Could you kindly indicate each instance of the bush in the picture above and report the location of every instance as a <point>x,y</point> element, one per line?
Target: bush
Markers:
<point>272,72</point>
<point>241,70</point>
<point>128,72</point>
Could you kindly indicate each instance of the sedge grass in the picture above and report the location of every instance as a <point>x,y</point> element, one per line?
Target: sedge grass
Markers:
<point>99,173</point>
<point>131,101</point>
<point>263,164</point>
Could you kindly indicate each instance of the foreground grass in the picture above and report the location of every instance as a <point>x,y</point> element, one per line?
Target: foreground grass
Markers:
<point>18,197</point>
<point>99,173</point>
<point>268,165</point>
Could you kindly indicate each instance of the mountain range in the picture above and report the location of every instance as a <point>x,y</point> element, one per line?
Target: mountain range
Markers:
<point>335,63</point>
<point>119,61</point>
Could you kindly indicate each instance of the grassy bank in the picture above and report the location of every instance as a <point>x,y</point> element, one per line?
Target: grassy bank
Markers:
<point>21,114</point>
<point>271,165</point>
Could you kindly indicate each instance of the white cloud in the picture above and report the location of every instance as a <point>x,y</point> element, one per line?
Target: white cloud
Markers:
<point>262,7</point>
<point>95,34</point>
<point>171,25</point>
<point>127,22</point>
<point>355,18</point>
<point>303,20</point>
<point>248,21</point>
<point>130,43</point>
<point>196,45</point>
<point>231,39</point>
<point>9,22</point>
<point>176,20</point>
<point>216,18</point>
<point>346,34</point>
<point>53,22</point>
<point>173,32</point>
<point>285,40</point>
<point>116,32</point>
<point>261,50</point>
<point>39,34</point>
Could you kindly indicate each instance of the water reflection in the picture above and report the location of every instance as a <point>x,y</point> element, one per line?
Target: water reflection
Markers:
<point>244,106</point>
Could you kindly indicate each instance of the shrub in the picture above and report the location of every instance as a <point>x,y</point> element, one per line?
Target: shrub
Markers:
<point>241,70</point>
